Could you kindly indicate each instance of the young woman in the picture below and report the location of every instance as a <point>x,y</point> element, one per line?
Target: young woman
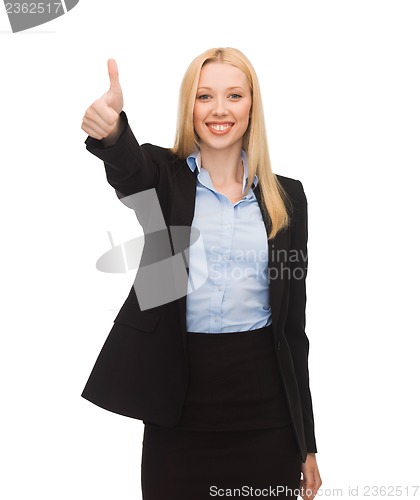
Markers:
<point>219,375</point>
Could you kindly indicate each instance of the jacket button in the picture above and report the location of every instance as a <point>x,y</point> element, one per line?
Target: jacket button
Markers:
<point>278,345</point>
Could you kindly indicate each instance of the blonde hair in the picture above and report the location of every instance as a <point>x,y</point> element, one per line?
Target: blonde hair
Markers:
<point>273,195</point>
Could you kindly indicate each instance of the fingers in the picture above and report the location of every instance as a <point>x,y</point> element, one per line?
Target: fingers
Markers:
<point>93,130</point>
<point>99,120</point>
<point>310,484</point>
<point>113,76</point>
<point>102,117</point>
<point>311,480</point>
<point>102,114</point>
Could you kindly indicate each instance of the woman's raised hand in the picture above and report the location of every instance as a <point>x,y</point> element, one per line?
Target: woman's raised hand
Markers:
<point>102,119</point>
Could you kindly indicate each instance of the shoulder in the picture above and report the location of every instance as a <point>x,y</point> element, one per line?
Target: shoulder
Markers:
<point>294,189</point>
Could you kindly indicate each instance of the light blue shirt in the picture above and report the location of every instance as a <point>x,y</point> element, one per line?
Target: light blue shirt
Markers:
<point>235,294</point>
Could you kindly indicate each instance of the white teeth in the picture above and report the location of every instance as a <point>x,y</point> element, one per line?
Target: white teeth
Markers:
<point>220,128</point>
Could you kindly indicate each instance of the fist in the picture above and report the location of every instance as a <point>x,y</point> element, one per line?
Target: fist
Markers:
<point>101,119</point>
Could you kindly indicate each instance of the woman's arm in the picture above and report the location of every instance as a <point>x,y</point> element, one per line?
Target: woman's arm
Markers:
<point>298,341</point>
<point>129,166</point>
<point>294,328</point>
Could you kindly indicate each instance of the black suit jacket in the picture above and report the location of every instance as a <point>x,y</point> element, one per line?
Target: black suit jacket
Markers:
<point>142,369</point>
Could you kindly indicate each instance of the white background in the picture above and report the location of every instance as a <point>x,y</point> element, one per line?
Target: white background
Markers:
<point>340,83</point>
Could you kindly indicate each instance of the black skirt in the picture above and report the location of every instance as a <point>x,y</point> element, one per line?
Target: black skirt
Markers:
<point>235,432</point>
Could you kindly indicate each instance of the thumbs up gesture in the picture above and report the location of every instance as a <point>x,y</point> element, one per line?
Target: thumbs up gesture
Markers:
<point>101,119</point>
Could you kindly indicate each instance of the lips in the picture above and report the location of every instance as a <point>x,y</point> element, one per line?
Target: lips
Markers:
<point>220,128</point>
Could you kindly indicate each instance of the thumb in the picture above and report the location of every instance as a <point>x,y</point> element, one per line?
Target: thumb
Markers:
<point>113,76</point>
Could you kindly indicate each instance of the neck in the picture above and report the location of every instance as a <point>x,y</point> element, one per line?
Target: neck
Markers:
<point>225,166</point>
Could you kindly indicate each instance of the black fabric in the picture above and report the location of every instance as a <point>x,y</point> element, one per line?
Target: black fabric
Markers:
<point>235,382</point>
<point>235,430</point>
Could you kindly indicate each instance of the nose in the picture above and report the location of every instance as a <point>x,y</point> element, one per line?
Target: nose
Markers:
<point>219,108</point>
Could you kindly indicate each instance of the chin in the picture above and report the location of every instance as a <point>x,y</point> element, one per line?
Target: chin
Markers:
<point>219,143</point>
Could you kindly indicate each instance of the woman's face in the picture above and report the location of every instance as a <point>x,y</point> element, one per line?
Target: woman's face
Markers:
<point>222,106</point>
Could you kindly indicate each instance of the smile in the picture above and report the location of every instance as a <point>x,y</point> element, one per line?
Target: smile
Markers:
<point>220,128</point>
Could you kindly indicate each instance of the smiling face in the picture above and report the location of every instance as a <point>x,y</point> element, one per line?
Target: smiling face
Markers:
<point>222,106</point>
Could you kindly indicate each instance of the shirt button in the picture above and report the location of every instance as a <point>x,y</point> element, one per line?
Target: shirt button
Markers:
<point>228,226</point>
<point>220,288</point>
<point>225,257</point>
<point>216,318</point>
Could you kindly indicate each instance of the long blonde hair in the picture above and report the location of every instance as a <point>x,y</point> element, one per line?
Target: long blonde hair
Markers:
<point>273,195</point>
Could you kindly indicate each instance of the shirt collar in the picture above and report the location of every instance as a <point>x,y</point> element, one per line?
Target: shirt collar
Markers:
<point>194,161</point>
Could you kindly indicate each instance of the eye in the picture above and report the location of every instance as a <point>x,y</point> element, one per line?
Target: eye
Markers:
<point>203,97</point>
<point>235,96</point>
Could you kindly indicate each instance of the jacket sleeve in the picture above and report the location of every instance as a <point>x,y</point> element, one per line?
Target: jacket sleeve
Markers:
<point>129,167</point>
<point>296,317</point>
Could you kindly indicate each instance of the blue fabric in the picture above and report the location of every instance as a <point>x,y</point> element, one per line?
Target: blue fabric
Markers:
<point>235,294</point>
